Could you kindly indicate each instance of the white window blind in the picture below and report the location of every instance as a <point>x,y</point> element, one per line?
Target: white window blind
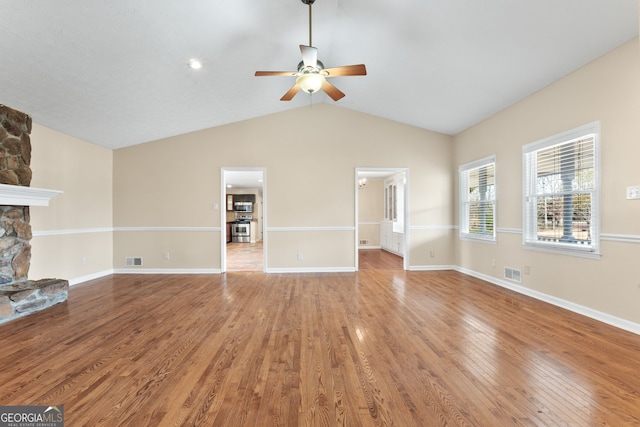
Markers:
<point>561,191</point>
<point>478,199</point>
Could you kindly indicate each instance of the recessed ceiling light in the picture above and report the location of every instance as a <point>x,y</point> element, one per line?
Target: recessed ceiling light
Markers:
<point>195,64</point>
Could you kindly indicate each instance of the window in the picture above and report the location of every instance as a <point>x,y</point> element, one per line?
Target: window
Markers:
<point>478,200</point>
<point>561,192</point>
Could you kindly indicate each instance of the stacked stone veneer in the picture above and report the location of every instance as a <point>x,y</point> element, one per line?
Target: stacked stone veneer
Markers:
<point>19,296</point>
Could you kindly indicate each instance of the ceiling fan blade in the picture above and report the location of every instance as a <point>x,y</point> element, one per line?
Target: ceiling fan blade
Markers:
<point>275,73</point>
<point>347,70</point>
<point>291,93</point>
<point>309,56</point>
<point>332,91</point>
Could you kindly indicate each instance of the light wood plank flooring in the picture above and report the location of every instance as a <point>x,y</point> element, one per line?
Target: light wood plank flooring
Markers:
<point>377,259</point>
<point>245,256</point>
<point>373,348</point>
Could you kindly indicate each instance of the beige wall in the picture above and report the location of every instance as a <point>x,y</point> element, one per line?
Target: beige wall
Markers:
<point>73,235</point>
<point>607,90</point>
<point>310,156</point>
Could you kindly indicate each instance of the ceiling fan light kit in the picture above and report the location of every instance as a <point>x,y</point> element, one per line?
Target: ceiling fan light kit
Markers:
<point>311,75</point>
<point>311,82</point>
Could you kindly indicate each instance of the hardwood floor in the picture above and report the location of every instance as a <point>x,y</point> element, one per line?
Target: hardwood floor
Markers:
<point>375,259</point>
<point>377,347</point>
<point>245,256</point>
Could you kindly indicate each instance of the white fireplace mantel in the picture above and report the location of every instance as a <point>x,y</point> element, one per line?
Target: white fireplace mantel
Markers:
<point>17,195</point>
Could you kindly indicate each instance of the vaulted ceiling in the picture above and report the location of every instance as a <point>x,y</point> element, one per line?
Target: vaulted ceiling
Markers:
<point>114,72</point>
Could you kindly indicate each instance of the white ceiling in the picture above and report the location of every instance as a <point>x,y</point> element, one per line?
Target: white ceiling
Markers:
<point>114,73</point>
<point>244,178</point>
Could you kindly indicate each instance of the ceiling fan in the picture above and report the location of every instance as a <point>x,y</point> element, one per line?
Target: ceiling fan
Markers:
<point>311,75</point>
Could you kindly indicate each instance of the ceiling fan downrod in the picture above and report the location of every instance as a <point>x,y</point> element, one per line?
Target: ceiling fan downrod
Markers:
<point>309,2</point>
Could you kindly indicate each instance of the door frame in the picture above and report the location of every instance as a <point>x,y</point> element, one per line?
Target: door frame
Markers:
<point>382,172</point>
<point>223,213</point>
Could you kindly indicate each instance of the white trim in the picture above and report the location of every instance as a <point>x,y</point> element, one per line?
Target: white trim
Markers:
<point>529,208</point>
<point>509,230</point>
<point>167,271</point>
<point>369,222</point>
<point>207,229</point>
<point>89,277</point>
<point>365,247</point>
<point>223,211</point>
<point>477,163</point>
<point>18,195</point>
<point>464,202</point>
<point>610,237</point>
<point>312,270</point>
<point>558,302</point>
<point>625,238</point>
<point>297,229</point>
<point>560,251</point>
<point>432,267</point>
<point>432,227</point>
<point>72,231</point>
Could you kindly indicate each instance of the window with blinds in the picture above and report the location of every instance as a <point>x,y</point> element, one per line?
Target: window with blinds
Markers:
<point>478,199</point>
<point>561,191</point>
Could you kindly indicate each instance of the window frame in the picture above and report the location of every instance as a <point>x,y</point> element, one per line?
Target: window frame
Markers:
<point>464,202</point>
<point>530,239</point>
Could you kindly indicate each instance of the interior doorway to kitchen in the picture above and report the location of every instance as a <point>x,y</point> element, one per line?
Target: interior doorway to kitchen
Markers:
<point>382,206</point>
<point>243,219</point>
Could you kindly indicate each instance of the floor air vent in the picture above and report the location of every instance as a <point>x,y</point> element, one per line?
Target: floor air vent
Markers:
<point>513,274</point>
<point>133,261</point>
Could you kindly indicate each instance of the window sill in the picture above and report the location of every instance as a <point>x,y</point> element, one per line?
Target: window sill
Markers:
<point>562,251</point>
<point>472,238</point>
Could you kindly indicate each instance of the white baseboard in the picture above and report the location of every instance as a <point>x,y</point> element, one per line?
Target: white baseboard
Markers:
<point>432,267</point>
<point>82,279</point>
<point>312,270</point>
<point>167,271</point>
<point>559,302</point>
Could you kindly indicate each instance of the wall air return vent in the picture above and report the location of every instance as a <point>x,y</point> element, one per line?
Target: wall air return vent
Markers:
<point>133,261</point>
<point>513,274</point>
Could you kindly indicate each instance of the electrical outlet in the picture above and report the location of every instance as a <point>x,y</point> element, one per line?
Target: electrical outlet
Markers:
<point>633,193</point>
<point>527,270</point>
<point>167,255</point>
<point>83,261</point>
<point>493,262</point>
<point>300,256</point>
<point>432,254</point>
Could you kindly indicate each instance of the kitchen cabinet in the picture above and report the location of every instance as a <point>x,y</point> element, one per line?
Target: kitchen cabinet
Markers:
<point>228,236</point>
<point>390,240</point>
<point>244,198</point>
<point>233,198</point>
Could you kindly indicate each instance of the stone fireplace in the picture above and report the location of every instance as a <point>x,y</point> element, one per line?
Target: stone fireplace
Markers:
<point>20,296</point>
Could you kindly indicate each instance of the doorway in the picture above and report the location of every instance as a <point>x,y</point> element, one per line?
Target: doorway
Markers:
<point>243,219</point>
<point>382,206</point>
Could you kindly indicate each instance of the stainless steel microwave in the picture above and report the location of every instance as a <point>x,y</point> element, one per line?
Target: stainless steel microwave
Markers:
<point>243,206</point>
